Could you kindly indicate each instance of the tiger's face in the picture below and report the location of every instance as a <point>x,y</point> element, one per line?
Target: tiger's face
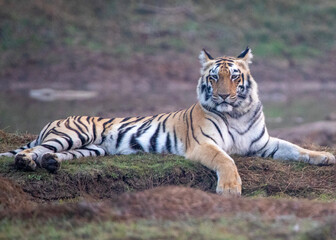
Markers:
<point>226,83</point>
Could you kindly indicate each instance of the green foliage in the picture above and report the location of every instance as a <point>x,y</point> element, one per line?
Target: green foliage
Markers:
<point>273,28</point>
<point>138,165</point>
<point>7,169</point>
<point>238,227</point>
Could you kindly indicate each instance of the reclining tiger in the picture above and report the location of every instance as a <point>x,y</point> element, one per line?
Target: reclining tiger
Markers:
<point>227,119</point>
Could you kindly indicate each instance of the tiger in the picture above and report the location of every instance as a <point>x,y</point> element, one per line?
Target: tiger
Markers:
<point>227,120</point>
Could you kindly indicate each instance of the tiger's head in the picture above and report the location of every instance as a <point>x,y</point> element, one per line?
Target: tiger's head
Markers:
<point>226,84</point>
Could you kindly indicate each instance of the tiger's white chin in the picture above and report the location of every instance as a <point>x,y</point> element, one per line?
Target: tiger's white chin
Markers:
<point>224,108</point>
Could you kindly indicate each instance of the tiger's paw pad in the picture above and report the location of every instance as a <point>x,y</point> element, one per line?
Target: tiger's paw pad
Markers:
<point>23,162</point>
<point>51,163</point>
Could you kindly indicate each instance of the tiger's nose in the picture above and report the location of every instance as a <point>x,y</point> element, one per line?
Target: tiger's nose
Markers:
<point>224,96</point>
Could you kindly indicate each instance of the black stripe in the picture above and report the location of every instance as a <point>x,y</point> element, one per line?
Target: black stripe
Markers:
<point>262,155</point>
<point>175,140</point>
<point>124,125</point>
<point>216,126</point>
<point>176,113</point>
<point>95,151</point>
<point>12,152</point>
<point>248,85</point>
<point>107,122</point>
<point>82,131</point>
<point>259,137</point>
<point>187,138</point>
<point>232,137</point>
<point>144,127</point>
<point>67,124</point>
<point>41,136</point>
<point>121,135</point>
<point>58,141</point>
<point>222,116</point>
<point>203,87</point>
<point>99,119</point>
<point>135,144</point>
<point>125,119</point>
<point>206,135</point>
<point>219,114</point>
<point>191,124</point>
<point>88,118</point>
<point>161,116</point>
<point>168,143</point>
<point>208,92</point>
<point>103,138</point>
<point>131,122</point>
<point>65,136</point>
<point>164,122</point>
<point>29,145</point>
<point>80,153</point>
<point>274,151</point>
<point>80,121</point>
<point>94,130</point>
<point>254,119</point>
<point>153,139</point>
<point>47,146</point>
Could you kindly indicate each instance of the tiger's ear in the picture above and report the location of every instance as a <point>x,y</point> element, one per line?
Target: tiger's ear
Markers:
<point>246,55</point>
<point>205,59</point>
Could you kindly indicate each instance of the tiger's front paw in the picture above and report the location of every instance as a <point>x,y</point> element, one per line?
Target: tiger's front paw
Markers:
<point>51,162</point>
<point>321,158</point>
<point>229,183</point>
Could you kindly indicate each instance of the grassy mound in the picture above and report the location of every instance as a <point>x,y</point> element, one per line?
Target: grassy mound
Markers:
<point>116,197</point>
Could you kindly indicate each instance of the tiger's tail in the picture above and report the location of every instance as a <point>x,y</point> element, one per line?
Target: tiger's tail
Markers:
<point>16,151</point>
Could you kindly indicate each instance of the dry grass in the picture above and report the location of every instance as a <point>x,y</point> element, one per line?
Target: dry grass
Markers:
<point>9,141</point>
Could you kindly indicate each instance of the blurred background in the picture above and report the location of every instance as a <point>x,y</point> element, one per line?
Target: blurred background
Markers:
<point>122,58</point>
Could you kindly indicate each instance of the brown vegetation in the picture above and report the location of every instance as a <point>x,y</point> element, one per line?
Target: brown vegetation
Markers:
<point>166,203</point>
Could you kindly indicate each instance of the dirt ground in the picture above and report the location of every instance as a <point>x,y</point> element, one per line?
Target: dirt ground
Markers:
<point>159,203</point>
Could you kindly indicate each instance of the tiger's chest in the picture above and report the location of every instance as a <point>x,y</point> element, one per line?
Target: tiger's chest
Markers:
<point>247,140</point>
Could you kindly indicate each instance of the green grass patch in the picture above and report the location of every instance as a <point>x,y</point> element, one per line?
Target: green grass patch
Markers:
<point>136,165</point>
<point>273,29</point>
<point>238,228</point>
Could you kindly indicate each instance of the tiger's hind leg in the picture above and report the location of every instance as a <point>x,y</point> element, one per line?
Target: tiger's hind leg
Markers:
<point>52,161</point>
<point>30,158</point>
